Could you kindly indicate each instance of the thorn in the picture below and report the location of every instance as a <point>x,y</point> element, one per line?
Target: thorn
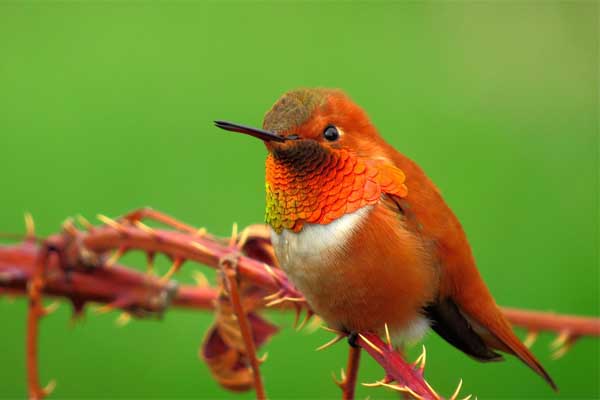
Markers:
<point>241,242</point>
<point>272,296</point>
<point>85,223</point>
<point>304,321</point>
<point>530,339</point>
<point>560,340</point>
<point>123,319</point>
<point>314,324</point>
<point>49,309</point>
<point>342,374</point>
<point>371,345</point>
<point>104,309</point>
<point>69,227</point>
<point>387,335</point>
<point>200,232</point>
<point>263,358</point>
<point>150,263</point>
<point>333,341</point>
<point>145,228</point>
<point>457,391</point>
<point>283,300</point>
<point>403,389</point>
<point>328,329</point>
<point>297,312</point>
<point>421,360</point>
<point>468,397</point>
<point>115,256</point>
<point>271,272</point>
<point>374,384</point>
<point>200,247</point>
<point>340,383</point>
<point>110,222</point>
<point>174,268</point>
<point>561,351</point>
<point>234,234</point>
<point>118,303</point>
<point>200,279</point>
<point>437,396</point>
<point>49,388</point>
<point>413,393</point>
<point>29,226</point>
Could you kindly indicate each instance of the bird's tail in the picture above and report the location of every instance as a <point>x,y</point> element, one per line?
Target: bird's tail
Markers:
<point>497,333</point>
<point>513,345</point>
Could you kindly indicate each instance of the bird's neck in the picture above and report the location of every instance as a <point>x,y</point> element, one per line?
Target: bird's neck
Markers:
<point>313,185</point>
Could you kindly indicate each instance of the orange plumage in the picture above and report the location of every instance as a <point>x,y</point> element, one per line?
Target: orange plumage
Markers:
<point>366,236</point>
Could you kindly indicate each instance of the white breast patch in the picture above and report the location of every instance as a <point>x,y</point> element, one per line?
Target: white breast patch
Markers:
<point>311,247</point>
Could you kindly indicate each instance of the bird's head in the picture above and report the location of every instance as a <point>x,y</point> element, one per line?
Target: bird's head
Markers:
<point>309,120</point>
<point>319,143</point>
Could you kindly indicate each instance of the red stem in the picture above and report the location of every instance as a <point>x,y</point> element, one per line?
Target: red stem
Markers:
<point>406,375</point>
<point>349,384</point>
<point>537,321</point>
<point>236,301</point>
<point>34,314</point>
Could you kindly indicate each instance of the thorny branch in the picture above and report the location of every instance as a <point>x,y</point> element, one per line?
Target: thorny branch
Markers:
<point>81,265</point>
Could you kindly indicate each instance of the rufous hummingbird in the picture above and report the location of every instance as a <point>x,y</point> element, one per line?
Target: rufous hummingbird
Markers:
<point>366,236</point>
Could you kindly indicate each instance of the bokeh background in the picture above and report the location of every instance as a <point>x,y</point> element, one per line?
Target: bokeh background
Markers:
<point>107,106</point>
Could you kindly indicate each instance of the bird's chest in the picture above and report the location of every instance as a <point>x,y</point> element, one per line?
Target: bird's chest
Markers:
<point>361,271</point>
<point>312,256</point>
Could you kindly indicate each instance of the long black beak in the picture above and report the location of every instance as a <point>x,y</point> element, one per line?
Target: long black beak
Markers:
<point>257,133</point>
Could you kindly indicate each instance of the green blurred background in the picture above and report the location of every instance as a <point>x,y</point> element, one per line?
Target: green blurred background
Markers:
<point>107,106</point>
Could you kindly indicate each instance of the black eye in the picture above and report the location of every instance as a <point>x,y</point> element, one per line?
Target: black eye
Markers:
<point>331,133</point>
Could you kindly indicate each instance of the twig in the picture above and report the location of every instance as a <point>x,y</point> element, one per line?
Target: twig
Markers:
<point>35,313</point>
<point>229,271</point>
<point>349,382</point>
<point>537,321</point>
<point>410,380</point>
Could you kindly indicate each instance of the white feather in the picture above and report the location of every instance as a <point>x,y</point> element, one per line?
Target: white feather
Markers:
<point>299,252</point>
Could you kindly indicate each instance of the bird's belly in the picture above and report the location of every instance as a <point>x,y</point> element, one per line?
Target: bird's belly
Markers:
<point>352,289</point>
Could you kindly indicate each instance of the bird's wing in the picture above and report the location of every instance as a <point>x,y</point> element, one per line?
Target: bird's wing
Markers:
<point>444,315</point>
<point>465,313</point>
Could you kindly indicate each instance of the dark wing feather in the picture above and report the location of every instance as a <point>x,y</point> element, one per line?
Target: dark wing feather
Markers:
<point>448,322</point>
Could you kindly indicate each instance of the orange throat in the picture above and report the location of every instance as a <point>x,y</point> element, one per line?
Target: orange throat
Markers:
<point>307,183</point>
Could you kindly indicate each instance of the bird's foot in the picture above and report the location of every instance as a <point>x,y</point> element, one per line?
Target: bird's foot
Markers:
<point>352,339</point>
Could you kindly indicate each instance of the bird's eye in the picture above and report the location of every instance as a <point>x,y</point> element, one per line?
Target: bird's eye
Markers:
<point>331,133</point>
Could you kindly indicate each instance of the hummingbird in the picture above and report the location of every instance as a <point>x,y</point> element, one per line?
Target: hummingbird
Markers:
<point>366,236</point>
